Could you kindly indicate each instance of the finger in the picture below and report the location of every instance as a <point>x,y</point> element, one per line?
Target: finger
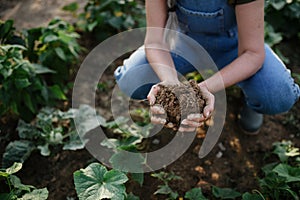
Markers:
<point>186,129</point>
<point>152,93</point>
<point>209,104</point>
<point>158,120</point>
<point>157,109</point>
<point>197,117</point>
<point>191,123</point>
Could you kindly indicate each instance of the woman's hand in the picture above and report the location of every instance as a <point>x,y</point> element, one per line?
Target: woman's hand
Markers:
<point>158,115</point>
<point>195,120</point>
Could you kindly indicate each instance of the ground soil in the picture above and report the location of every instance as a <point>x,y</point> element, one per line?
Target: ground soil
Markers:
<point>235,162</point>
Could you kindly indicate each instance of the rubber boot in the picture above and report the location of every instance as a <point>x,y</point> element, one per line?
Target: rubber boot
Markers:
<point>250,121</point>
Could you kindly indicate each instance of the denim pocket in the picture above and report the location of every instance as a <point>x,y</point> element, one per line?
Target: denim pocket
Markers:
<point>201,21</point>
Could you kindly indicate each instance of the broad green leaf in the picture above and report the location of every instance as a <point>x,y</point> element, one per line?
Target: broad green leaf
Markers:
<point>28,131</point>
<point>116,22</point>
<point>195,194</point>
<point>127,161</point>
<point>87,119</point>
<point>95,183</point>
<point>14,168</point>
<point>16,182</point>
<point>284,150</point>
<point>292,174</point>
<point>37,194</point>
<point>225,193</point>
<point>138,177</point>
<point>163,189</point>
<point>17,151</point>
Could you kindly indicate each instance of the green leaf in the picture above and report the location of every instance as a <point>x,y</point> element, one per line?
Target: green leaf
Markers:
<point>74,142</point>
<point>127,161</point>
<point>40,69</point>
<point>57,92</point>
<point>195,194</point>
<point>116,22</point>
<point>86,119</point>
<point>248,196</point>
<point>28,102</point>
<point>60,53</point>
<point>278,4</point>
<point>132,197</point>
<point>50,38</point>
<point>16,182</point>
<point>95,182</point>
<point>28,131</point>
<point>22,83</point>
<point>292,174</point>
<point>14,168</point>
<point>284,150</point>
<point>163,189</point>
<point>225,193</point>
<point>138,177</point>
<point>37,194</point>
<point>17,151</point>
<point>44,149</point>
<point>91,26</point>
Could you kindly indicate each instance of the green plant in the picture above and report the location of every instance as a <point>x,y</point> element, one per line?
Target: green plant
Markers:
<point>56,47</point>
<point>127,138</point>
<point>165,189</point>
<point>8,35</point>
<point>105,18</point>
<point>16,190</point>
<point>195,194</point>
<point>96,182</point>
<point>51,128</point>
<point>22,88</point>
<point>283,15</point>
<point>282,180</point>
<point>225,193</point>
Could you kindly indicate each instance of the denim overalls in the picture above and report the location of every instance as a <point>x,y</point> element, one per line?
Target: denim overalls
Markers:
<point>213,25</point>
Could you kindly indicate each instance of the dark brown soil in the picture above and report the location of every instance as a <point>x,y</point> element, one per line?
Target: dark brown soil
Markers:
<point>179,101</point>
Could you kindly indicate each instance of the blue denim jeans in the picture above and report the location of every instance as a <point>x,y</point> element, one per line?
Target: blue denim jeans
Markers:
<point>213,25</point>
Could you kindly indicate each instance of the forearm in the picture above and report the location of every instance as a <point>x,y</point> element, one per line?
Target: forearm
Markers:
<point>246,65</point>
<point>157,51</point>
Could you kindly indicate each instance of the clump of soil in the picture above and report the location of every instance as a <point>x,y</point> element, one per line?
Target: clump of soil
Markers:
<point>179,101</point>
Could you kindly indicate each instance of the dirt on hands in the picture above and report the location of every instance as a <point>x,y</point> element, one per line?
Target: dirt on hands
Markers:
<point>179,101</point>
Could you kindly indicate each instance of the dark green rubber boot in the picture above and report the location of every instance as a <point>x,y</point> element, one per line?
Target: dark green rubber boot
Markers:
<point>250,121</point>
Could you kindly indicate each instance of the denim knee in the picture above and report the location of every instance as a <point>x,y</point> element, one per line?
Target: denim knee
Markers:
<point>276,101</point>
